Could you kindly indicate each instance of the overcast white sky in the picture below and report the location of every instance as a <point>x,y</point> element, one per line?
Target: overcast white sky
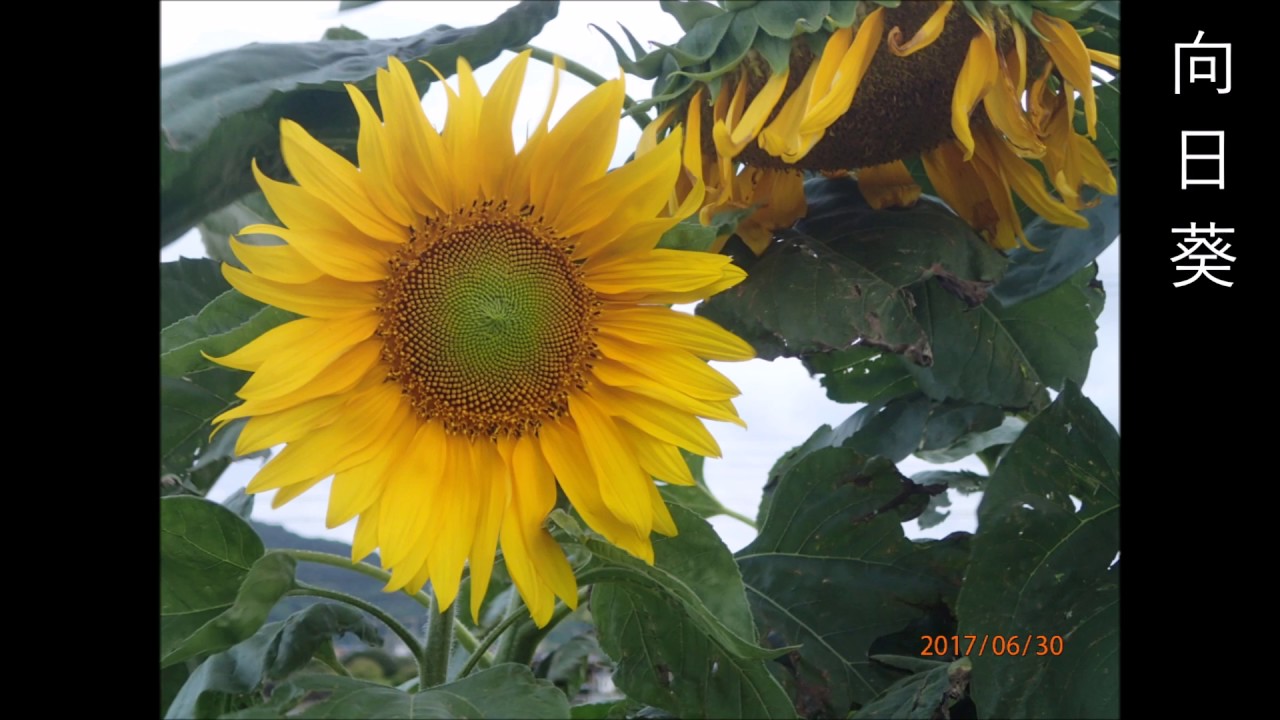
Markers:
<point>781,404</point>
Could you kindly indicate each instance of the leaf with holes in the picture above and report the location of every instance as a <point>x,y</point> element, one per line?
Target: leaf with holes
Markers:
<point>833,572</point>
<point>1047,564</point>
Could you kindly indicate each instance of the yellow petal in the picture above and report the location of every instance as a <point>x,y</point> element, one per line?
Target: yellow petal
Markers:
<point>264,431</point>
<point>493,482</point>
<point>366,535</point>
<point>356,436</point>
<point>1071,58</point>
<point>656,271</point>
<point>409,497</point>
<point>331,179</point>
<point>888,185</point>
<point>351,258</point>
<point>299,209</point>
<point>577,150</point>
<point>278,263</point>
<point>358,488</point>
<point>925,35</point>
<point>618,375</point>
<point>678,368</point>
<point>610,206</point>
<point>659,459</point>
<point>782,136</point>
<point>828,105</point>
<point>731,140</point>
<point>421,148</point>
<point>663,523</point>
<point>457,522</point>
<point>561,445</point>
<point>341,376</point>
<point>977,76</point>
<point>664,326</point>
<point>495,126</point>
<point>376,176</point>
<point>288,368</point>
<point>325,297</point>
<point>1105,58</point>
<point>612,460</point>
<point>1026,181</point>
<point>658,419</point>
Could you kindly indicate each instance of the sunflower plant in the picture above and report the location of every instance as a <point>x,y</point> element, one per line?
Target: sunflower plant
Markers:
<point>484,346</point>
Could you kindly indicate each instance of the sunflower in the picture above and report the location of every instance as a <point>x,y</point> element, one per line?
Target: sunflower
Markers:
<point>871,86</point>
<point>481,325</point>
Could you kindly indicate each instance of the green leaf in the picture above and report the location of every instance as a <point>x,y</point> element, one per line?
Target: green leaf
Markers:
<point>205,553</point>
<point>842,275</point>
<point>969,443</point>
<point>186,286</point>
<point>922,696</point>
<point>503,691</point>
<point>569,665</point>
<point>1066,251</point>
<point>860,374</point>
<point>1005,356</point>
<point>345,5</point>
<point>833,572</point>
<point>308,631</point>
<point>270,577</point>
<point>219,111</point>
<point>342,32</point>
<point>1108,125</point>
<point>596,711</point>
<point>665,626</point>
<point>226,681</point>
<point>226,324</point>
<point>730,48</point>
<point>187,407</point>
<point>787,18</point>
<point>172,679</point>
<point>689,13</point>
<point>688,235</point>
<point>1043,567</point>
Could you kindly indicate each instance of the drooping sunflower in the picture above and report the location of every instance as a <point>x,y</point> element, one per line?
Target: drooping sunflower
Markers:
<point>862,86</point>
<point>481,324</point>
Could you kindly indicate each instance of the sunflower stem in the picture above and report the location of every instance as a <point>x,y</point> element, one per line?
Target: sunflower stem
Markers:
<point>405,635</point>
<point>433,668</point>
<point>464,636</point>
<point>739,517</point>
<point>584,72</point>
<point>511,619</point>
<point>524,641</point>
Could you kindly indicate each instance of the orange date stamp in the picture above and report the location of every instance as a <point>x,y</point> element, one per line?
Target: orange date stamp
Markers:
<point>1016,645</point>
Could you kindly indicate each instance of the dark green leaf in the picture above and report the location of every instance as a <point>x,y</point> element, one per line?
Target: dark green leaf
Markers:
<point>775,51</point>
<point>832,571</point>
<point>1066,251</point>
<point>689,13</point>
<point>270,577</point>
<point>1042,566</point>
<point>841,276</point>
<point>307,631</point>
<point>1108,102</point>
<point>700,43</point>
<point>227,323</point>
<point>569,665</point>
<point>186,286</point>
<point>688,235</point>
<point>205,553</point>
<point>860,374</point>
<point>922,696</point>
<point>788,18</point>
<point>967,444</point>
<point>172,679</point>
<point>219,111</point>
<point>342,32</point>
<point>732,47</point>
<point>657,632</point>
<point>226,681</point>
<point>187,405</point>
<point>1004,356</point>
<point>503,691</point>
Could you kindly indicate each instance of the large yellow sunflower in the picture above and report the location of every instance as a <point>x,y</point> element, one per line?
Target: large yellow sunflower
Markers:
<point>480,324</point>
<point>933,80</point>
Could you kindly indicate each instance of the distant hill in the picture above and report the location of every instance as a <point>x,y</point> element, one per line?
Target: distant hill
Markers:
<point>397,604</point>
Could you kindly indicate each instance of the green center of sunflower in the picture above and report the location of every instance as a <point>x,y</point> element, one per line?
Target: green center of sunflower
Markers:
<point>487,323</point>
